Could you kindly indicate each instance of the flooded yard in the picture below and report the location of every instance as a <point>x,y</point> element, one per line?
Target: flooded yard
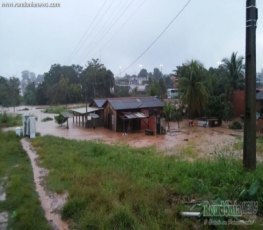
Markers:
<point>202,142</point>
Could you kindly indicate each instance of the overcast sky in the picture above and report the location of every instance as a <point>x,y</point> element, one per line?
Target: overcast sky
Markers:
<point>118,31</point>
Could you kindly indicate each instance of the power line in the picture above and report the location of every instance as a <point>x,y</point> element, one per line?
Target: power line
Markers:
<point>111,25</point>
<point>87,32</point>
<point>158,37</point>
<point>123,24</point>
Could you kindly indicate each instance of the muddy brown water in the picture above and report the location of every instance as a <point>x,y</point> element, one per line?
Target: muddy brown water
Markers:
<point>205,140</point>
<point>50,202</point>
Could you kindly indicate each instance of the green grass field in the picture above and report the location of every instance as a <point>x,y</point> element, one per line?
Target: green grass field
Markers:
<point>56,109</point>
<point>118,187</point>
<point>21,201</point>
<point>7,120</point>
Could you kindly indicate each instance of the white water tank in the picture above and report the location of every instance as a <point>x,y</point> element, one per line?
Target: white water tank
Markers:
<point>19,131</point>
<point>29,126</point>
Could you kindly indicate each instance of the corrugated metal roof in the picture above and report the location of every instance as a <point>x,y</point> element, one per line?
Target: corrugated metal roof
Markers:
<point>99,102</point>
<point>67,114</point>
<point>133,115</point>
<point>135,103</point>
<point>83,111</point>
<point>259,96</point>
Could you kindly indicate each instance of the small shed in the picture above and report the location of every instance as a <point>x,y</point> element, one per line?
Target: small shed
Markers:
<point>129,114</point>
<point>87,117</point>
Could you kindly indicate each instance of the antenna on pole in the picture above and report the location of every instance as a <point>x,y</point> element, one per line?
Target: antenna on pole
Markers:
<point>249,148</point>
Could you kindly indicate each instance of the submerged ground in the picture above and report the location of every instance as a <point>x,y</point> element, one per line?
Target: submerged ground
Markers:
<point>195,142</point>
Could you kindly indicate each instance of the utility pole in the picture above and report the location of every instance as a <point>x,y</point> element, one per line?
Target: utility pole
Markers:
<point>249,150</point>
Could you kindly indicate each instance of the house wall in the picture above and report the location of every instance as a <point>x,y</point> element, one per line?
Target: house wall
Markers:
<point>259,106</point>
<point>152,124</point>
<point>113,121</point>
<point>145,122</point>
<point>238,101</point>
<point>110,116</point>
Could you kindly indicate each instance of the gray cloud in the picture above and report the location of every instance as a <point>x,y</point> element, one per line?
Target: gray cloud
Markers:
<point>36,38</point>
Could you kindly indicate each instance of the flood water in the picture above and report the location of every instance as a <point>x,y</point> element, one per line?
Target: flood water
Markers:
<point>205,140</point>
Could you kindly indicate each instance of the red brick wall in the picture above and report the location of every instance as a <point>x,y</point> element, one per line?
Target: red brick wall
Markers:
<point>152,123</point>
<point>238,101</point>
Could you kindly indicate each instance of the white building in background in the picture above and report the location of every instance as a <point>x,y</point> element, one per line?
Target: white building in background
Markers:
<point>172,93</point>
<point>259,79</point>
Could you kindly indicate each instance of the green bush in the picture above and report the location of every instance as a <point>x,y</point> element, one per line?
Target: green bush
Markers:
<point>60,119</point>
<point>55,109</point>
<point>236,125</point>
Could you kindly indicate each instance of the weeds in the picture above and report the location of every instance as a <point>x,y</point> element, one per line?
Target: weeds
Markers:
<point>124,188</point>
<point>22,202</point>
<point>55,109</point>
<point>7,120</point>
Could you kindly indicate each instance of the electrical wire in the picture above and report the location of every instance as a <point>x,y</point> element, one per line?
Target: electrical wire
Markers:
<point>122,25</point>
<point>88,30</point>
<point>158,37</point>
<point>110,26</point>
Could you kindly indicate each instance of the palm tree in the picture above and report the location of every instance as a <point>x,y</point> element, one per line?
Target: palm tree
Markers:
<point>234,68</point>
<point>192,85</point>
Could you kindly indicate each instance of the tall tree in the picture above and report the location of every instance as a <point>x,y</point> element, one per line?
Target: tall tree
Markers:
<point>143,73</point>
<point>4,97</point>
<point>234,68</point>
<point>192,85</point>
<point>96,80</point>
<point>157,74</point>
<point>30,94</point>
<point>61,85</point>
<point>14,91</point>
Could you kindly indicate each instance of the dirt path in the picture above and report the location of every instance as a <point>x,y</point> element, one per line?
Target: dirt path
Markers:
<point>51,203</point>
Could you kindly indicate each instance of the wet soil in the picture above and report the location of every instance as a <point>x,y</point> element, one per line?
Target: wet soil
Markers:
<point>51,203</point>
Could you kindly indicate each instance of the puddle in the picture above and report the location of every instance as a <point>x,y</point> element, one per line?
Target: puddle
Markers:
<point>2,189</point>
<point>51,203</point>
<point>3,220</point>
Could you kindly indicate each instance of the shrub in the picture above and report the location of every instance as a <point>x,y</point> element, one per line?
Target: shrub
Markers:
<point>7,120</point>
<point>60,119</point>
<point>235,125</point>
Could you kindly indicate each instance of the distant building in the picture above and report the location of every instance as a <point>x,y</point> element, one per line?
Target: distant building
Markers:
<point>259,79</point>
<point>172,93</point>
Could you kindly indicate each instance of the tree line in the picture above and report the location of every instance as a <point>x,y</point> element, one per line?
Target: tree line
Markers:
<point>202,91</point>
<point>207,92</point>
